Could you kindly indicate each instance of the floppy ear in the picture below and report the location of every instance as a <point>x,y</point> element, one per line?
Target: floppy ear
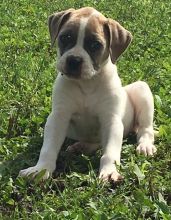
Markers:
<point>55,23</point>
<point>120,38</point>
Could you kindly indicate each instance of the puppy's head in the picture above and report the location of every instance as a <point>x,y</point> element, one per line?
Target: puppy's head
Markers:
<point>86,40</point>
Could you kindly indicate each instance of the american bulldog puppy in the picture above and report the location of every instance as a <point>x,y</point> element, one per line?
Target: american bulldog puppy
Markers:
<point>89,103</point>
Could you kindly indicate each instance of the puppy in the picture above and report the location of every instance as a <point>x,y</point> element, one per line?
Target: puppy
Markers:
<point>89,103</point>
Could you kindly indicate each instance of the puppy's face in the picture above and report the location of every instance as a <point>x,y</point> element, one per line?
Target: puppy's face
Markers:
<point>84,39</point>
<point>82,46</point>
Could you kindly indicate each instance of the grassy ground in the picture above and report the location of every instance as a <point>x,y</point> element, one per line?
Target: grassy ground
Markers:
<point>26,78</point>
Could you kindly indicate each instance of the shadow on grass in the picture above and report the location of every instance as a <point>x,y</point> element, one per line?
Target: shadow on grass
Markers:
<point>65,164</point>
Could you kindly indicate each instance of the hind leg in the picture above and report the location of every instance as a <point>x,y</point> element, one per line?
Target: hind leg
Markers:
<point>142,100</point>
<point>84,148</point>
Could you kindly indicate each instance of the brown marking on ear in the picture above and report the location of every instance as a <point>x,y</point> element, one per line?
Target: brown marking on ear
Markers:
<point>120,39</point>
<point>56,21</point>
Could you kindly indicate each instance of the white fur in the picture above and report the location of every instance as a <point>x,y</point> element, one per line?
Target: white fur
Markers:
<point>96,109</point>
<point>81,32</point>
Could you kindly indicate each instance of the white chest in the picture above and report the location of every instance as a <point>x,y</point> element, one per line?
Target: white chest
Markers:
<point>84,124</point>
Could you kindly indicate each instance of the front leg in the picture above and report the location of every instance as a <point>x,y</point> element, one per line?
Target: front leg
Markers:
<point>112,135</point>
<point>54,135</point>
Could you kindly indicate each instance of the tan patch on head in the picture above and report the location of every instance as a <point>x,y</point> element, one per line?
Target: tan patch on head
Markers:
<point>97,32</point>
<point>95,26</point>
<point>75,17</point>
<point>84,12</point>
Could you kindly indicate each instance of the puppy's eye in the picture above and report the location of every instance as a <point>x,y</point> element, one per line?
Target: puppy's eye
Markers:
<point>65,39</point>
<point>95,45</point>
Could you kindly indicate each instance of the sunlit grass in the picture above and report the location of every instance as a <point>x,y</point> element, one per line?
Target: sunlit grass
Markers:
<point>26,79</point>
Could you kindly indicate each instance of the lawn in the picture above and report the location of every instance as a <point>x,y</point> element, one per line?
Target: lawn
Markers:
<point>27,74</point>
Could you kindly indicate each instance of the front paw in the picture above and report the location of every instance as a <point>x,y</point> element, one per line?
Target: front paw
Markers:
<point>146,149</point>
<point>110,173</point>
<point>31,172</point>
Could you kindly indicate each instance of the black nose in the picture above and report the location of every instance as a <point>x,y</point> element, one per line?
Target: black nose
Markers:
<point>74,63</point>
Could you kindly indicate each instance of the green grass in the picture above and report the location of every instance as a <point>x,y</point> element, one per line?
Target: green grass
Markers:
<point>26,78</point>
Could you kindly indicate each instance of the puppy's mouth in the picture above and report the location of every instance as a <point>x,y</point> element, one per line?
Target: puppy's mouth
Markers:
<point>74,74</point>
<point>84,74</point>
<point>71,75</point>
